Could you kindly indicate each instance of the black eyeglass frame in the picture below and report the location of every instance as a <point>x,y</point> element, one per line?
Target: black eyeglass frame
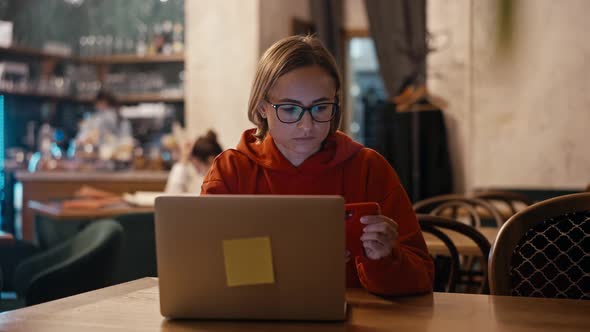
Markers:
<point>335,108</point>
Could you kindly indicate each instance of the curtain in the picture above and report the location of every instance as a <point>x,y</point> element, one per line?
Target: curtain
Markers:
<point>398,28</point>
<point>327,18</point>
<point>413,142</point>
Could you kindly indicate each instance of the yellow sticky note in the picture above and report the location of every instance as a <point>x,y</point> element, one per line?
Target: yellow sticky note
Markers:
<point>248,261</point>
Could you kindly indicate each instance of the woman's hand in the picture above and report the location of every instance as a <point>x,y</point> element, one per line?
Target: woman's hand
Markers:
<point>379,236</point>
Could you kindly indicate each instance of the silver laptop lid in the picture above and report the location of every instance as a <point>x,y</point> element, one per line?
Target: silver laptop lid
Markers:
<point>251,257</point>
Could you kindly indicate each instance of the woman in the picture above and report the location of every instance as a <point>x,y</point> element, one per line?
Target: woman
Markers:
<point>187,174</point>
<point>296,149</point>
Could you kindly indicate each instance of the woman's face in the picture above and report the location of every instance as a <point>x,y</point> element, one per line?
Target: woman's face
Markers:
<point>304,86</point>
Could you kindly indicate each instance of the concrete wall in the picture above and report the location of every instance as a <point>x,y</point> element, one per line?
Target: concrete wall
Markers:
<point>222,40</point>
<point>449,77</point>
<point>531,110</point>
<point>517,118</point>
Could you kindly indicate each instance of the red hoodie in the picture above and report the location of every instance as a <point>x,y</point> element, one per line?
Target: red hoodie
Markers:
<point>342,167</point>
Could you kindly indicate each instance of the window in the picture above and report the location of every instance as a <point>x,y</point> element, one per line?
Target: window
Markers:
<point>365,86</point>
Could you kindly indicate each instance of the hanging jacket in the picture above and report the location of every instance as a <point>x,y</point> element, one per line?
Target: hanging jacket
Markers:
<point>341,167</point>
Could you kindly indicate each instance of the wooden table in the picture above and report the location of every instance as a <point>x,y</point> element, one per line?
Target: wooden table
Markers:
<point>55,211</point>
<point>465,246</point>
<point>54,225</point>
<point>43,186</point>
<point>134,306</point>
<point>6,238</point>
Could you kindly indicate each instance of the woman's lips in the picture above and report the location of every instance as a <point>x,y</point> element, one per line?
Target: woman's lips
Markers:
<point>304,138</point>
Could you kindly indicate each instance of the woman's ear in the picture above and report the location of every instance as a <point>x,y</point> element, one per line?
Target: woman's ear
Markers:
<point>261,111</point>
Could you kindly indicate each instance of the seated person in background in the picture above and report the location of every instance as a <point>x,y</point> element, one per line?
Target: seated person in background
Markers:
<point>196,157</point>
<point>296,149</point>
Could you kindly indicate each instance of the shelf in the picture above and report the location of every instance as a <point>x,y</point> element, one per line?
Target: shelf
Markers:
<point>48,96</point>
<point>127,99</point>
<point>99,60</point>
<point>149,98</point>
<point>32,53</point>
<point>103,62</point>
<point>132,59</point>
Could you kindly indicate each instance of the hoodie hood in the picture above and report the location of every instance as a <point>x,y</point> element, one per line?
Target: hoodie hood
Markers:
<point>336,149</point>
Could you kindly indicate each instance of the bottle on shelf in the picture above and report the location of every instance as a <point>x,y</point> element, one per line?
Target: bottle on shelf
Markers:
<point>167,29</point>
<point>157,42</point>
<point>177,39</point>
<point>142,44</point>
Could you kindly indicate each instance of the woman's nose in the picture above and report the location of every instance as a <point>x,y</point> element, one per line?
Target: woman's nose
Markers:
<point>306,121</point>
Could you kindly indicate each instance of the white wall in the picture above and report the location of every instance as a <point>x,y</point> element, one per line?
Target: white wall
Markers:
<point>222,40</point>
<point>449,77</point>
<point>531,111</point>
<point>518,118</point>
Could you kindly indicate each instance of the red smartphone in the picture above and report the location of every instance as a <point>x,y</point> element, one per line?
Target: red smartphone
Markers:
<point>354,227</point>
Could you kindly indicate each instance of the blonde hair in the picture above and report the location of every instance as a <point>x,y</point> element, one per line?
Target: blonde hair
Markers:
<point>282,57</point>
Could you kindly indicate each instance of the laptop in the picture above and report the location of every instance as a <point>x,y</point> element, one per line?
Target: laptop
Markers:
<point>251,257</point>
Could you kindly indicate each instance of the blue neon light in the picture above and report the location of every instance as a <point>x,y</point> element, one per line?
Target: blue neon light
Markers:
<point>2,184</point>
<point>1,143</point>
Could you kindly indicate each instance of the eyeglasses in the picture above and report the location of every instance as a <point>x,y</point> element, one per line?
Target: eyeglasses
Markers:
<point>291,113</point>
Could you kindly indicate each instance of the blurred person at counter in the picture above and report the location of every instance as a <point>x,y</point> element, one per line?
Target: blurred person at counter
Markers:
<point>194,162</point>
<point>102,124</point>
<point>103,135</point>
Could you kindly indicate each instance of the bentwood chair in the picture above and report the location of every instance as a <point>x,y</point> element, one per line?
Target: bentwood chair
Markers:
<point>507,203</point>
<point>544,250</point>
<point>458,206</point>
<point>436,226</point>
<point>476,212</point>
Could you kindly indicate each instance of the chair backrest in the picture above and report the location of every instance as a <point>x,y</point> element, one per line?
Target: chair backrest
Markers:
<point>451,205</point>
<point>434,224</point>
<point>511,199</point>
<point>83,263</point>
<point>138,260</point>
<point>543,250</point>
